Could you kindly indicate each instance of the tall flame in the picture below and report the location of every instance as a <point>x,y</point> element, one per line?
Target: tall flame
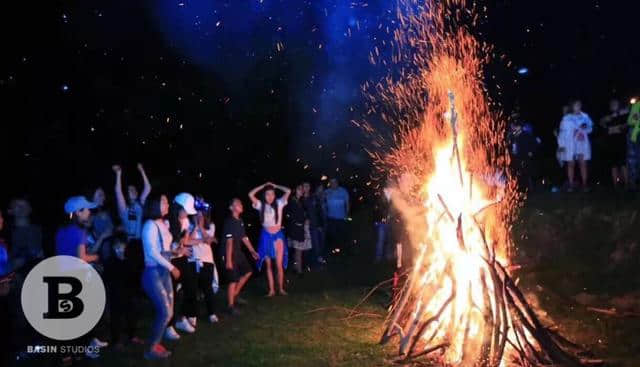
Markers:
<point>458,298</point>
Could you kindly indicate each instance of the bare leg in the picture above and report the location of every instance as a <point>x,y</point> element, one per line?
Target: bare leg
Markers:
<point>267,262</point>
<point>570,173</point>
<point>615,176</point>
<point>231,294</point>
<point>279,256</point>
<point>241,284</point>
<point>583,170</point>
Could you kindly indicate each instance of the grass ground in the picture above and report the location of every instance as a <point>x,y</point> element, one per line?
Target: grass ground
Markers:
<point>564,246</point>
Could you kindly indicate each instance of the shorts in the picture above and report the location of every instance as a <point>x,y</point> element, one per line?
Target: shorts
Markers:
<point>240,268</point>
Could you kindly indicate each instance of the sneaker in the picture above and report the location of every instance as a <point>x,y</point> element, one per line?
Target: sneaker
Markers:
<point>241,301</point>
<point>157,352</point>
<point>213,318</point>
<point>95,342</point>
<point>193,321</point>
<point>184,325</point>
<point>171,334</point>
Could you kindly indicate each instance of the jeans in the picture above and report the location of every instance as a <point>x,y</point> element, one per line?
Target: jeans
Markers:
<point>382,247</point>
<point>156,283</point>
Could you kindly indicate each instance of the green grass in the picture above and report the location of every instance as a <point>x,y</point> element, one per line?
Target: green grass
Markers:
<point>306,328</point>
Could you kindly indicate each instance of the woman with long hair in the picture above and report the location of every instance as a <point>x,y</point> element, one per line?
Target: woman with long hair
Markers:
<point>203,266</point>
<point>298,236</point>
<point>182,208</point>
<point>271,246</point>
<point>156,277</point>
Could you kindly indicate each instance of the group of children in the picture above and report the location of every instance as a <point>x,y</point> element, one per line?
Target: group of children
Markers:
<point>165,249</point>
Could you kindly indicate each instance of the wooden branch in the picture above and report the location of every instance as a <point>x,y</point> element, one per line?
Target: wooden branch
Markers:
<point>446,208</point>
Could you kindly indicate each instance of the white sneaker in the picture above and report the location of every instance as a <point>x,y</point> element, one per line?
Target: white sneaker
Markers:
<point>193,321</point>
<point>184,325</point>
<point>213,318</point>
<point>95,342</point>
<point>171,334</point>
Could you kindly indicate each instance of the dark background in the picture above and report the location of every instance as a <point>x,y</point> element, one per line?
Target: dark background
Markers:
<point>215,97</point>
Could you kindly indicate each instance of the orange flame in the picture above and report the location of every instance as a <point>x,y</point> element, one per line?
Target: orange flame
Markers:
<point>453,143</point>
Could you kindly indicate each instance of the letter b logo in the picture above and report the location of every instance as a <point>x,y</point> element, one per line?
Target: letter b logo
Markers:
<point>63,305</point>
<point>63,297</point>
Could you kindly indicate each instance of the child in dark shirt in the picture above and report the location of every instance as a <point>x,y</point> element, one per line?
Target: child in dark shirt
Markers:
<point>237,267</point>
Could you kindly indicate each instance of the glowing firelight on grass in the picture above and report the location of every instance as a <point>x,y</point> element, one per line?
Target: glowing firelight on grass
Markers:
<point>459,305</point>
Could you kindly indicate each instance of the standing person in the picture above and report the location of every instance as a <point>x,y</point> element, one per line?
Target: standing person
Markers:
<point>123,305</point>
<point>633,145</point>
<point>298,228</point>
<point>130,209</point>
<point>615,125</point>
<point>71,240</point>
<point>158,270</point>
<point>102,221</point>
<point>314,208</point>
<point>338,207</point>
<point>573,143</point>
<point>271,246</point>
<point>203,266</point>
<point>26,238</point>
<point>382,221</point>
<point>238,269</point>
<point>181,227</point>
<point>321,202</point>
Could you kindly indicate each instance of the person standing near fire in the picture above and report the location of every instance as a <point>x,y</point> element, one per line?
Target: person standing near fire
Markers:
<point>615,127</point>
<point>272,247</point>
<point>574,145</point>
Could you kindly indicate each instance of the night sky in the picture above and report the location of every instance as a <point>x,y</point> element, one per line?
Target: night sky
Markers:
<point>214,97</point>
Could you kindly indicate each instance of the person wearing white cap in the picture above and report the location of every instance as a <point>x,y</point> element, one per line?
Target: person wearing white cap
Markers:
<point>71,240</point>
<point>181,228</point>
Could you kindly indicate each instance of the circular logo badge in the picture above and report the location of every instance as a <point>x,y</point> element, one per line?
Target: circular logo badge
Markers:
<point>63,297</point>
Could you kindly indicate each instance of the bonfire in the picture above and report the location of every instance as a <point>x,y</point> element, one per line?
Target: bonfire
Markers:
<point>459,305</point>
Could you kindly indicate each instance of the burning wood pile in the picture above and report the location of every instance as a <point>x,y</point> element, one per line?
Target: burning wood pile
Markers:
<point>459,305</point>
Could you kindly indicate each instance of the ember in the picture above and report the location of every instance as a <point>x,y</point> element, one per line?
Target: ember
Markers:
<point>459,304</point>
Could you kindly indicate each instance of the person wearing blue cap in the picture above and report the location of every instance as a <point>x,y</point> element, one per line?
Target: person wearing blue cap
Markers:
<point>71,240</point>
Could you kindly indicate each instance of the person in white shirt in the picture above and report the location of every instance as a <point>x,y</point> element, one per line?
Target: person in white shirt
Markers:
<point>156,277</point>
<point>130,209</point>
<point>202,264</point>
<point>182,208</point>
<point>271,246</point>
<point>573,143</point>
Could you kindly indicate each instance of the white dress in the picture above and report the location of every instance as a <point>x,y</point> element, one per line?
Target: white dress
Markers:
<point>574,138</point>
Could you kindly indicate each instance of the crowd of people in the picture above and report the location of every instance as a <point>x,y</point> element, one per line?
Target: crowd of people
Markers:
<point>617,147</point>
<point>170,251</point>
